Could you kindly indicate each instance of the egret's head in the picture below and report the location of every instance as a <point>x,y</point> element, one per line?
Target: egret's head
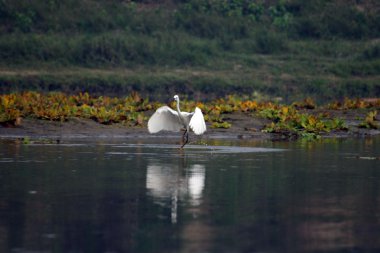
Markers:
<point>176,98</point>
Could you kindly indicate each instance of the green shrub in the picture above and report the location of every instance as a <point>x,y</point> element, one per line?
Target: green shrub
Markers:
<point>372,52</point>
<point>269,42</point>
<point>334,19</point>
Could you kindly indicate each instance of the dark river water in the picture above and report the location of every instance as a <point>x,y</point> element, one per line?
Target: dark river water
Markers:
<point>246,196</point>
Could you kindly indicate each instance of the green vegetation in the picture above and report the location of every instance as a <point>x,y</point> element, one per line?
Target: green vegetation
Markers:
<point>370,121</point>
<point>287,48</point>
<point>133,110</point>
<point>60,107</point>
<point>289,120</point>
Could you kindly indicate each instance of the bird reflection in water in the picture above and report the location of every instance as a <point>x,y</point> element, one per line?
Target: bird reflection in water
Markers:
<point>171,183</point>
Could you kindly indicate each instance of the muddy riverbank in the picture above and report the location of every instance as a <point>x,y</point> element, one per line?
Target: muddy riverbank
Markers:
<point>243,126</point>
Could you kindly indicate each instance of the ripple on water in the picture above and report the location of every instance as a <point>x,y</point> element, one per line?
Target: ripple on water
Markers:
<point>198,148</point>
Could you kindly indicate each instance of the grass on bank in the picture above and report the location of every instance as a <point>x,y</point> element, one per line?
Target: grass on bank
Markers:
<point>324,70</point>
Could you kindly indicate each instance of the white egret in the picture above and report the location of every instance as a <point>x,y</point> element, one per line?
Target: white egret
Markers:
<point>167,119</point>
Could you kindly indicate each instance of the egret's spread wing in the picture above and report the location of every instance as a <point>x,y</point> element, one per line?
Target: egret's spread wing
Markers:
<point>197,122</point>
<point>164,118</point>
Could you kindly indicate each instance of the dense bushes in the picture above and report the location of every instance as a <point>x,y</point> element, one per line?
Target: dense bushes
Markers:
<point>303,39</point>
<point>204,18</point>
<point>336,19</point>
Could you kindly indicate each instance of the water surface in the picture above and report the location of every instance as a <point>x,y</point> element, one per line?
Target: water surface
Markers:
<point>245,196</point>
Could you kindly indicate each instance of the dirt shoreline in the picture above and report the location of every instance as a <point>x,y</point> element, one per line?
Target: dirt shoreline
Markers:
<point>243,127</point>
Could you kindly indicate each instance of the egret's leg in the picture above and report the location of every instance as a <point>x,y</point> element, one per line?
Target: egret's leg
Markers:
<point>185,138</point>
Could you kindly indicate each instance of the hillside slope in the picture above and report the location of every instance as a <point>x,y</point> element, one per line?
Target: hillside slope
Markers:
<point>292,49</point>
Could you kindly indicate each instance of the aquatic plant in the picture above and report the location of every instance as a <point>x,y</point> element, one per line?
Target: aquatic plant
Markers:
<point>9,112</point>
<point>286,119</point>
<point>370,121</point>
<point>223,124</point>
<point>297,119</point>
<point>26,140</point>
<point>307,103</point>
<point>357,103</point>
<point>60,107</point>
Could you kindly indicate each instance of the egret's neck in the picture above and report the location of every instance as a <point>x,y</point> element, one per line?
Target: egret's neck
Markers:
<point>181,118</point>
<point>178,110</point>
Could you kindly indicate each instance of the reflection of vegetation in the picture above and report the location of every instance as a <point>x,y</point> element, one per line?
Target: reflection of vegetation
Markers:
<point>294,119</point>
<point>27,140</point>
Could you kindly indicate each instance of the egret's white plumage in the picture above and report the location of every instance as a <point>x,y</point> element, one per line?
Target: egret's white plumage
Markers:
<point>197,122</point>
<point>167,119</point>
<point>164,118</point>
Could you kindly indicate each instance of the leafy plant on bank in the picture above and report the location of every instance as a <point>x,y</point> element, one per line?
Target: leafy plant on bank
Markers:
<point>370,121</point>
<point>132,111</point>
<point>348,103</point>
<point>60,107</point>
<point>286,119</point>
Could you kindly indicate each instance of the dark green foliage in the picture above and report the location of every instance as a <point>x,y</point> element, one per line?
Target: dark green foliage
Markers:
<point>334,19</point>
<point>227,8</point>
<point>269,42</point>
<point>280,48</point>
<point>205,18</point>
<point>372,52</point>
<point>59,16</point>
<point>281,17</point>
